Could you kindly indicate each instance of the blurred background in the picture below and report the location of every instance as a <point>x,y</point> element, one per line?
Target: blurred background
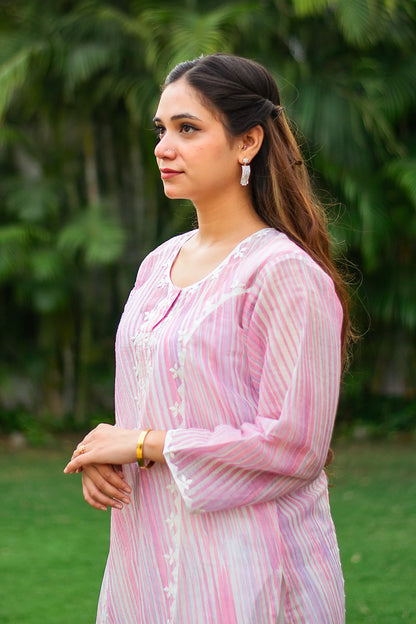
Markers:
<point>81,204</point>
<point>81,201</point>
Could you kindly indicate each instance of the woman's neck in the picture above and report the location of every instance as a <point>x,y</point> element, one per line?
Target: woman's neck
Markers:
<point>224,224</point>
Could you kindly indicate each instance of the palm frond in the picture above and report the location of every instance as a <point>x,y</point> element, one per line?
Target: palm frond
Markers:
<point>403,172</point>
<point>15,242</point>
<point>333,119</point>
<point>303,8</point>
<point>15,71</point>
<point>129,24</point>
<point>398,93</point>
<point>364,22</point>
<point>190,33</point>
<point>46,264</point>
<point>141,95</point>
<point>97,237</point>
<point>31,200</point>
<point>85,60</point>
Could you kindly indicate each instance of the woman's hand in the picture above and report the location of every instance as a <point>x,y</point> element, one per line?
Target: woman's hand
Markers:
<point>105,444</point>
<point>103,486</point>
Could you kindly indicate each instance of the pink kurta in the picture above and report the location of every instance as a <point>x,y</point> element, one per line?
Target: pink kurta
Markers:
<point>243,370</point>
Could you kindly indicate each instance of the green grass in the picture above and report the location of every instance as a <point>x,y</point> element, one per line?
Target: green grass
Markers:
<point>374,508</point>
<point>53,546</point>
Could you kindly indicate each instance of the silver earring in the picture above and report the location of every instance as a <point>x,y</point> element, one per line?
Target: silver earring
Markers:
<point>245,172</point>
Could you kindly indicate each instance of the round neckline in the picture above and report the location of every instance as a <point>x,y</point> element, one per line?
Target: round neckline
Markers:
<point>217,268</point>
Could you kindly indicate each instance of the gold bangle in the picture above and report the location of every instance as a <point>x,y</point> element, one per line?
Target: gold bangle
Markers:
<point>139,450</point>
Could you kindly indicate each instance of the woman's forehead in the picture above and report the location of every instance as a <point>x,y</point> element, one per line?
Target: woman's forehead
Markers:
<point>180,99</point>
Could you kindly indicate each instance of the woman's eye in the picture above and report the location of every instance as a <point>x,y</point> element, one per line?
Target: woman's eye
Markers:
<point>185,128</point>
<point>188,129</point>
<point>159,132</point>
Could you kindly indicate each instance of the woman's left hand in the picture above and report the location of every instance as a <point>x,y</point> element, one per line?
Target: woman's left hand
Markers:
<point>105,444</point>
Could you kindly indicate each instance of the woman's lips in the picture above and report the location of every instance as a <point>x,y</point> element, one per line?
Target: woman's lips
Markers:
<point>166,174</point>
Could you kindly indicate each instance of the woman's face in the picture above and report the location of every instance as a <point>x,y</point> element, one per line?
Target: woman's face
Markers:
<point>197,160</point>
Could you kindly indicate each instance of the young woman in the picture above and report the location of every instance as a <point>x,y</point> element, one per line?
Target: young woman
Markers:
<point>229,356</point>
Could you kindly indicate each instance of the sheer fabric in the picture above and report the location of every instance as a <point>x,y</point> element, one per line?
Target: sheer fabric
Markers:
<point>242,369</point>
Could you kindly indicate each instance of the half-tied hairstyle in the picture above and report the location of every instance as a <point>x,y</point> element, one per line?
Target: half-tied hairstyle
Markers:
<point>244,94</point>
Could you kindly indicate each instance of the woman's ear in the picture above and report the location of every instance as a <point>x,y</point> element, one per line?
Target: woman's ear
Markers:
<point>250,143</point>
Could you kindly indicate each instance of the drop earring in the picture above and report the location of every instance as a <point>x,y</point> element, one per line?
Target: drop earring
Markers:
<point>245,172</point>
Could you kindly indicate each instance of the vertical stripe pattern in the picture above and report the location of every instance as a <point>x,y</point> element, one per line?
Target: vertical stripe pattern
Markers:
<point>242,369</point>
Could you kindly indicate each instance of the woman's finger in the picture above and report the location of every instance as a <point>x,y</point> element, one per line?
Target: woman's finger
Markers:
<point>95,498</point>
<point>108,482</point>
<point>75,464</point>
<point>100,493</point>
<point>114,475</point>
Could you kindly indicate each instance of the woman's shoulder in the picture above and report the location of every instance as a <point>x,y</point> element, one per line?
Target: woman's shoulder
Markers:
<point>273,248</point>
<point>275,257</point>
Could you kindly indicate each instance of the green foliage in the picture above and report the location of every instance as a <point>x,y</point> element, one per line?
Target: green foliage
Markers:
<point>179,34</point>
<point>80,198</point>
<point>15,70</point>
<point>99,239</point>
<point>403,172</point>
<point>379,416</point>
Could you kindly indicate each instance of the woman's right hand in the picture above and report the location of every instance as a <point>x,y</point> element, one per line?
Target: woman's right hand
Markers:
<point>103,486</point>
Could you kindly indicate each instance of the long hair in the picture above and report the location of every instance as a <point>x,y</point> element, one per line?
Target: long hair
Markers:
<point>245,94</point>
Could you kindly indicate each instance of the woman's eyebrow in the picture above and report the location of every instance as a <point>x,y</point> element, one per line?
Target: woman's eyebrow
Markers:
<point>179,116</point>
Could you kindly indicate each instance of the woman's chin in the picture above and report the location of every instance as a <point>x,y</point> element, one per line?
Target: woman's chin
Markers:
<point>171,193</point>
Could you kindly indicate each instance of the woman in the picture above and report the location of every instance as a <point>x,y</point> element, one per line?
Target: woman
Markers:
<point>228,360</point>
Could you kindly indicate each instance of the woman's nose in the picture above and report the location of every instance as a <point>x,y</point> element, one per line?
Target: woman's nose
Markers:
<point>164,149</point>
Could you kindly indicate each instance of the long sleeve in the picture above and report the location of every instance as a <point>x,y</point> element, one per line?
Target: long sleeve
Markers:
<point>293,352</point>
<point>241,369</point>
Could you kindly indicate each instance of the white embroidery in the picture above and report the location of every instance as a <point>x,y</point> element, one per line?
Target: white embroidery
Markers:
<point>175,371</point>
<point>185,482</point>
<point>170,590</point>
<point>178,369</point>
<point>181,484</point>
<point>175,409</point>
<point>239,253</point>
<point>143,362</point>
<point>172,556</point>
<point>171,520</point>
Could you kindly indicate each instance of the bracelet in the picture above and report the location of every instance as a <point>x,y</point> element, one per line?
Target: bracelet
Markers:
<point>139,450</point>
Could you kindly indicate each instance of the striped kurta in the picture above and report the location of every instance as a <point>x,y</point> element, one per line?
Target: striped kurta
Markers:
<point>243,371</point>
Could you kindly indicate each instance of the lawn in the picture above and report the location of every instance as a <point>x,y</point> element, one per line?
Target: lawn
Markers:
<point>53,546</point>
<point>374,509</point>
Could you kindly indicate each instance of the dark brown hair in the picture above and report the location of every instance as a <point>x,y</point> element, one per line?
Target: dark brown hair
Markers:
<point>245,95</point>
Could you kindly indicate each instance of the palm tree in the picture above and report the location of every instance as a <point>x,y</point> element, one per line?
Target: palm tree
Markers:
<point>81,199</point>
<point>79,191</point>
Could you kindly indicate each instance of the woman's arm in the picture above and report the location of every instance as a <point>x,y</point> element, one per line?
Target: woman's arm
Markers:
<point>293,351</point>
